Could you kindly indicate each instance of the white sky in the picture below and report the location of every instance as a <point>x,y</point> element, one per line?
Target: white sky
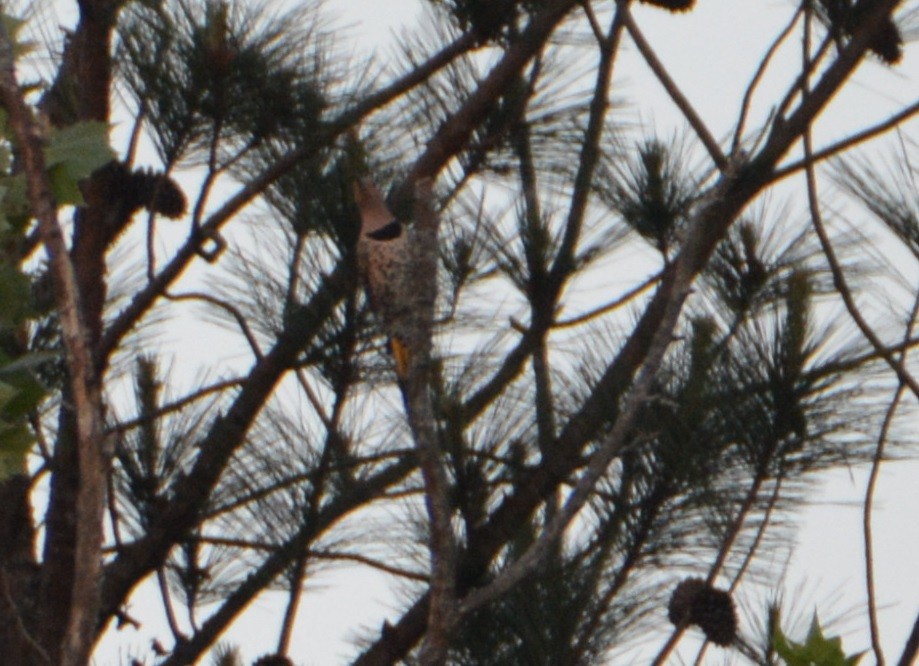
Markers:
<point>711,54</point>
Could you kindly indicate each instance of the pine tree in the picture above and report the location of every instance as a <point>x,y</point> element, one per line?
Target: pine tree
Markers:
<point>644,350</point>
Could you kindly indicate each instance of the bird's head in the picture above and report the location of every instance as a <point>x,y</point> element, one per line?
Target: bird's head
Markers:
<point>375,214</point>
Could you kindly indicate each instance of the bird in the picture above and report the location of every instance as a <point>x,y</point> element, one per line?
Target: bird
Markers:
<point>384,260</point>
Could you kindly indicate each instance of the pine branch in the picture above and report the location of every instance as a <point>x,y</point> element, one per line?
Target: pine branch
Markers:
<point>157,286</point>
<point>274,564</point>
<point>893,122</point>
<point>729,197</point>
<point>225,436</point>
<point>453,134</point>
<point>840,282</point>
<point>757,77</point>
<point>416,390</point>
<point>685,107</point>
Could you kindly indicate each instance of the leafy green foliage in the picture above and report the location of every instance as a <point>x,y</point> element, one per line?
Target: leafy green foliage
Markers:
<point>20,395</point>
<point>816,650</point>
<point>72,154</point>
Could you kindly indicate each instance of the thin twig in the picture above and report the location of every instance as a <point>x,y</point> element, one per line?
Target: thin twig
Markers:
<point>839,279</point>
<point>290,613</point>
<point>869,501</point>
<point>893,122</point>
<point>171,620</point>
<point>594,23</point>
<point>757,77</point>
<point>619,302</point>
<point>228,307</point>
<point>175,406</point>
<point>372,563</point>
<point>809,67</point>
<point>676,95</point>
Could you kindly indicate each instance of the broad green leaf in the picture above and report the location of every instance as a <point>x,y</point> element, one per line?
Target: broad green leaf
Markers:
<point>15,439</point>
<point>20,391</point>
<point>6,158</point>
<point>7,393</point>
<point>29,361</point>
<point>72,154</point>
<point>15,442</point>
<point>14,203</point>
<point>15,296</point>
<point>28,394</point>
<point>64,185</point>
<point>817,650</point>
<point>82,147</point>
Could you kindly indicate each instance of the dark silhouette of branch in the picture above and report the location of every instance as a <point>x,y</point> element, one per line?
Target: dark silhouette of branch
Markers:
<point>173,407</point>
<point>869,499</point>
<point>911,649</point>
<point>841,284</point>
<point>275,563</point>
<point>293,603</point>
<point>895,121</point>
<point>683,104</point>
<point>757,77</point>
<point>452,136</point>
<point>224,437</point>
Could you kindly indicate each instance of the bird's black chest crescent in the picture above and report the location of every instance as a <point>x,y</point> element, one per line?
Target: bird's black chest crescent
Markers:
<point>390,231</point>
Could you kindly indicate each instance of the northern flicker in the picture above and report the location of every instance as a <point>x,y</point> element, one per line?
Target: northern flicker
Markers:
<point>384,260</point>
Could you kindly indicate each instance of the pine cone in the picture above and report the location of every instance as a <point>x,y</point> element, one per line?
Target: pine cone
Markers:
<point>158,192</point>
<point>887,42</point>
<point>273,660</point>
<point>672,5</point>
<point>844,17</point>
<point>713,612</point>
<point>683,600</point>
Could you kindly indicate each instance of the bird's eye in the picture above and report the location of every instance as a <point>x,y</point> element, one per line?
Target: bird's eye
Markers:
<point>389,232</point>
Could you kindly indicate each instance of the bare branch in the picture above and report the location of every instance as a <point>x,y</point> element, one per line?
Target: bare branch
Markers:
<point>895,121</point>
<point>757,77</point>
<point>869,499</point>
<point>228,307</point>
<point>911,649</point>
<point>172,407</point>
<point>416,391</point>
<point>683,104</point>
<point>625,299</point>
<point>839,279</point>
